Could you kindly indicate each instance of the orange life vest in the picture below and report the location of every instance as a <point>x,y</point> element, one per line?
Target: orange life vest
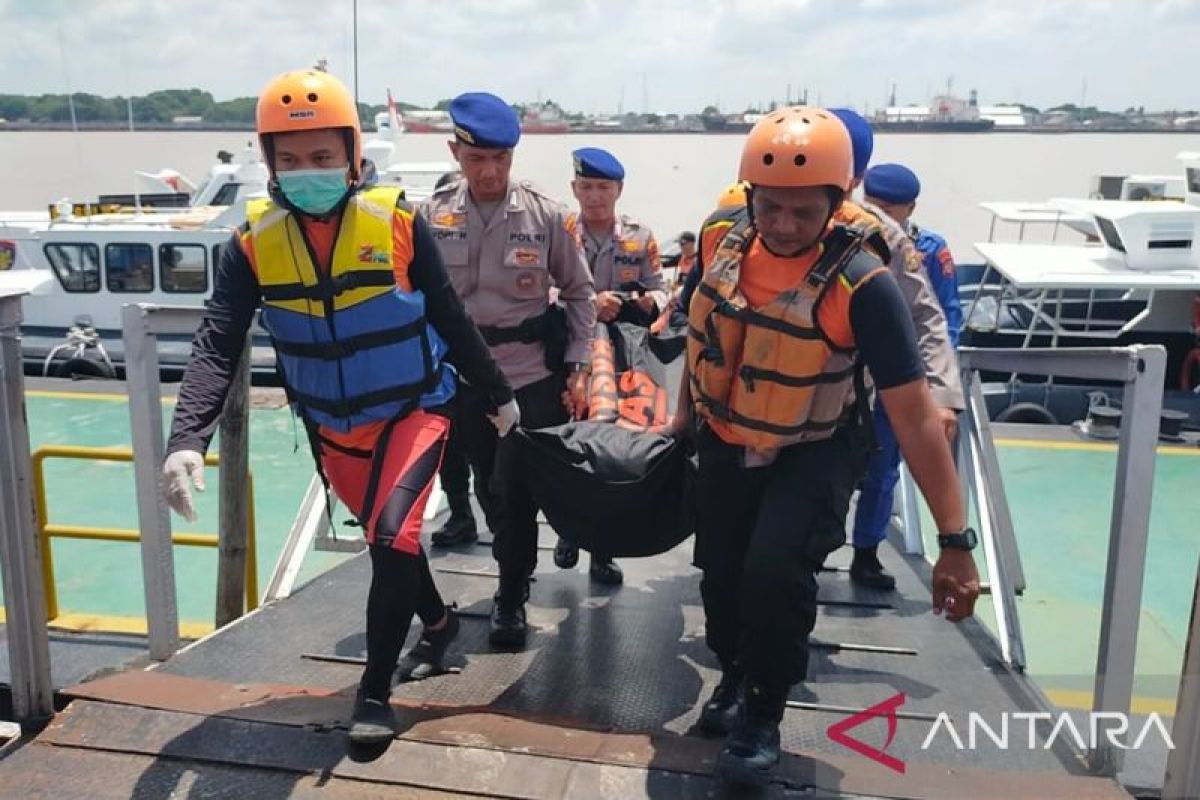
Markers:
<point>770,376</point>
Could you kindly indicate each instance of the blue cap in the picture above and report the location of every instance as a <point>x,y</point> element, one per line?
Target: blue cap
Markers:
<point>484,120</point>
<point>892,183</point>
<point>862,138</point>
<point>592,162</point>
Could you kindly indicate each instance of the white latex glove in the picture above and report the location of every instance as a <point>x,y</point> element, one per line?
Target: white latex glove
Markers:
<point>182,470</point>
<point>506,418</point>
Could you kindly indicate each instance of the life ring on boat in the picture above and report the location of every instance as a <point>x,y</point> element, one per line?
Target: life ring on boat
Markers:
<point>80,367</point>
<point>1189,371</point>
<point>1030,413</point>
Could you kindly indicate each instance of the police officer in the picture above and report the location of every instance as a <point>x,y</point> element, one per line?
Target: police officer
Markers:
<point>893,189</point>
<point>933,337</point>
<point>366,328</point>
<point>505,244</point>
<point>622,253</point>
<point>786,306</point>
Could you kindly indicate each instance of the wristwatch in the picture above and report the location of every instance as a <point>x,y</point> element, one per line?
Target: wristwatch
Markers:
<point>577,366</point>
<point>963,540</point>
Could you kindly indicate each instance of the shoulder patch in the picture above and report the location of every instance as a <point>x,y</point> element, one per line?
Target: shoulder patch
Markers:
<point>946,261</point>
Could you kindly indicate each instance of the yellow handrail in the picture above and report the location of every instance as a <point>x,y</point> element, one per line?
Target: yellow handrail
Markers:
<point>45,530</point>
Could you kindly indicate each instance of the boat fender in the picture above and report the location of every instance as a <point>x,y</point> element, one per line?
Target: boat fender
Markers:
<point>78,368</point>
<point>1028,413</point>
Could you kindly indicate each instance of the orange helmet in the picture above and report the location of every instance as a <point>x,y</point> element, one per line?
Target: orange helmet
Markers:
<point>308,100</point>
<point>733,195</point>
<point>798,146</point>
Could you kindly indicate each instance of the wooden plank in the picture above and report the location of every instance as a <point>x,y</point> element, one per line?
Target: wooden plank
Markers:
<point>490,753</point>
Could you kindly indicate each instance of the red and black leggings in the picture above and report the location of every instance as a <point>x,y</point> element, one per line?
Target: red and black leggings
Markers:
<point>401,581</point>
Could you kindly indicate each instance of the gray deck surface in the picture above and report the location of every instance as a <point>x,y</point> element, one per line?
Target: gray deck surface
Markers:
<point>608,662</point>
<point>75,657</point>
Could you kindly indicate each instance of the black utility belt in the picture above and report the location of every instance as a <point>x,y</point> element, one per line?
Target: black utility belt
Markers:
<point>549,328</point>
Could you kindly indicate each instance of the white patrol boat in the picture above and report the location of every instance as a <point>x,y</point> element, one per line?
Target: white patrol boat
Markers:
<point>82,262</point>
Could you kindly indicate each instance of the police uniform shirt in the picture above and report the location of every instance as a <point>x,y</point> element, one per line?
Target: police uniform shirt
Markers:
<point>933,337</point>
<point>629,254</point>
<point>503,269</point>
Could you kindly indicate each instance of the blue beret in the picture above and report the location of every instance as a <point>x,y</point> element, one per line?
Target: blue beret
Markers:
<point>484,120</point>
<point>892,183</point>
<point>862,138</point>
<point>592,162</point>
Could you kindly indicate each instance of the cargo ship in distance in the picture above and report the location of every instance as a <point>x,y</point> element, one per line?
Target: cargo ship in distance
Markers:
<point>944,114</point>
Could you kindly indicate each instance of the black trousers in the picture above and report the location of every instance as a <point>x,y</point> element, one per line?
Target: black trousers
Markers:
<point>401,585</point>
<point>456,469</point>
<point>762,534</point>
<point>500,486</point>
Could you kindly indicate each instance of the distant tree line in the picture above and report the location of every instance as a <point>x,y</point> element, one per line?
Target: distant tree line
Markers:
<point>157,107</point>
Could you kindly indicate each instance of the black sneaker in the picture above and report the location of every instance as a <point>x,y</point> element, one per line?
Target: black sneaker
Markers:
<point>509,628</point>
<point>566,554</point>
<point>373,721</point>
<point>460,529</point>
<point>720,713</point>
<point>751,753</point>
<point>606,571</point>
<point>865,570</point>
<point>427,656</point>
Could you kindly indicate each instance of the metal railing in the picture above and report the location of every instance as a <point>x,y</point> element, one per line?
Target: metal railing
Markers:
<point>47,530</point>
<point>25,626</point>
<point>1140,369</point>
<point>141,326</point>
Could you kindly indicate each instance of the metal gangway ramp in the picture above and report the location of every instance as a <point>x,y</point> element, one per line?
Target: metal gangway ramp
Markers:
<point>602,702</point>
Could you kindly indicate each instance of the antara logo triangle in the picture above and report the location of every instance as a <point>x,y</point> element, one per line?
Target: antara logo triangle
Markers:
<point>887,708</point>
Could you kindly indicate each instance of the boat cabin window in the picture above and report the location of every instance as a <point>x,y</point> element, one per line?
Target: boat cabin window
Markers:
<point>216,256</point>
<point>225,195</point>
<point>1193,179</point>
<point>183,268</point>
<point>129,267</point>
<point>77,266</point>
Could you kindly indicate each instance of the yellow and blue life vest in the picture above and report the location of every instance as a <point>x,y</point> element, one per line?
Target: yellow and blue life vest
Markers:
<point>352,343</point>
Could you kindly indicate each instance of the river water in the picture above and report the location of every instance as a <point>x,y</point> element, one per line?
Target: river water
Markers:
<point>672,180</point>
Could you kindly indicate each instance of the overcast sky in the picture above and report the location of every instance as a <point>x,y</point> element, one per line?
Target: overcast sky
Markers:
<point>588,54</point>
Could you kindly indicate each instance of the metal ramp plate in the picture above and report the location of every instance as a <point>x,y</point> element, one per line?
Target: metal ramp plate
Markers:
<point>601,703</point>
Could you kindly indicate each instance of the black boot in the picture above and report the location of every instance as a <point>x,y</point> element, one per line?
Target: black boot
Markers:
<point>566,554</point>
<point>428,655</point>
<point>604,570</point>
<point>373,721</point>
<point>460,529</point>
<point>720,713</point>
<point>865,570</point>
<point>751,752</point>
<point>508,613</point>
